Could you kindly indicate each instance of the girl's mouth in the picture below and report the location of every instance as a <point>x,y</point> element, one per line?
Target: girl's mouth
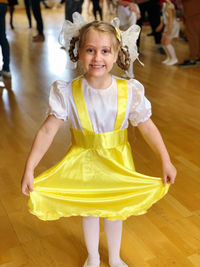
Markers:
<point>97,66</point>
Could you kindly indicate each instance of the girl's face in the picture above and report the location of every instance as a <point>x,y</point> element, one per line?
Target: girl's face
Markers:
<point>97,54</point>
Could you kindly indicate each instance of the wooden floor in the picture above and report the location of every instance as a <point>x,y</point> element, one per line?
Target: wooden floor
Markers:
<point>169,234</point>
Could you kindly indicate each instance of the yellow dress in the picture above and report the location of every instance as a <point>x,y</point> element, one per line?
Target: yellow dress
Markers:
<point>97,177</point>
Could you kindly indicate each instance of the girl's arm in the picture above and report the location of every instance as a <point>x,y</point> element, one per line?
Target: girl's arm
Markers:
<point>160,26</point>
<point>41,143</point>
<point>171,17</point>
<point>153,138</point>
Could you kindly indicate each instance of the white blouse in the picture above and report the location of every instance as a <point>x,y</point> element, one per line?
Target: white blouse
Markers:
<point>101,105</point>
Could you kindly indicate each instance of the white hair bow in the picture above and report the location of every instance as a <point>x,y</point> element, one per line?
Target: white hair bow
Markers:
<point>71,29</point>
<point>129,38</point>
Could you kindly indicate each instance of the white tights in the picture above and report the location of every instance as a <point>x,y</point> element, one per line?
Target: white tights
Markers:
<point>170,51</point>
<point>113,231</point>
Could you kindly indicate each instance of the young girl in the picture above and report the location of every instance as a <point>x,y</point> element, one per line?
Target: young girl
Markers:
<point>97,177</point>
<point>128,14</point>
<point>171,31</point>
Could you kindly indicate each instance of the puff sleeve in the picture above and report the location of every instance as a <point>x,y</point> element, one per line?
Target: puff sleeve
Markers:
<point>58,100</point>
<point>140,110</point>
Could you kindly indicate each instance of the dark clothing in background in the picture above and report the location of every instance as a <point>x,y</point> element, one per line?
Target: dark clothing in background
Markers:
<point>28,11</point>
<point>3,39</point>
<point>153,10</point>
<point>37,15</point>
<point>72,6</point>
<point>96,7</point>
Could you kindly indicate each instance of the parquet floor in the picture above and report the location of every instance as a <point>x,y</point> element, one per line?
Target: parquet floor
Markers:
<point>169,234</point>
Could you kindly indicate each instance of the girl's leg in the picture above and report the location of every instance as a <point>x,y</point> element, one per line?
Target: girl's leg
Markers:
<point>163,42</point>
<point>91,235</point>
<point>113,231</point>
<point>171,51</point>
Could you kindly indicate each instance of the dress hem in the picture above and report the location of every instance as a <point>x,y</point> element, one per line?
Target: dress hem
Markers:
<point>120,215</point>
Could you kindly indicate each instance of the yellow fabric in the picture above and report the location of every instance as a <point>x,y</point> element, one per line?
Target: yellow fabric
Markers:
<point>97,177</point>
<point>101,140</point>
<point>4,1</point>
<point>122,102</point>
<point>80,105</point>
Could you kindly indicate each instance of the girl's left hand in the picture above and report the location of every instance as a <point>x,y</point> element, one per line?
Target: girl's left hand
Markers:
<point>132,7</point>
<point>169,173</point>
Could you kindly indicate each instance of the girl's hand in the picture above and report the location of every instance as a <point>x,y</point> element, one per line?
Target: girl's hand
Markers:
<point>27,183</point>
<point>169,173</point>
<point>159,27</point>
<point>133,8</point>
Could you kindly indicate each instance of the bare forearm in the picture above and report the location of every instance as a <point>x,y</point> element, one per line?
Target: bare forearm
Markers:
<point>153,138</point>
<point>40,146</point>
<point>42,142</point>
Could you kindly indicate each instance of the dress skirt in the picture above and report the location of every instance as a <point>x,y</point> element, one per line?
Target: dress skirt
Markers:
<point>95,181</point>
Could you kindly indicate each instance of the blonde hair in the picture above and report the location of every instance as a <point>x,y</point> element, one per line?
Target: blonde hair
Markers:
<point>123,60</point>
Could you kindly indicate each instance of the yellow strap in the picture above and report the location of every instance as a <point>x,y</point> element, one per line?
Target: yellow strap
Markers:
<point>122,91</point>
<point>83,115</point>
<point>80,105</point>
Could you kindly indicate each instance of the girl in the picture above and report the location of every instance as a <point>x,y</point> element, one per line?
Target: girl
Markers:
<point>171,31</point>
<point>128,14</point>
<point>97,177</point>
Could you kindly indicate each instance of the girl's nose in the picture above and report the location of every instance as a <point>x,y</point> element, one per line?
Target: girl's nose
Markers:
<point>97,55</point>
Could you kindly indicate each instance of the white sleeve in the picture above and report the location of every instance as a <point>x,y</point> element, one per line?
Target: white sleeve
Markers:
<point>58,100</point>
<point>140,107</point>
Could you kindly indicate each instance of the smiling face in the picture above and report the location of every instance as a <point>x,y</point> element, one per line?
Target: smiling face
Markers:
<point>97,53</point>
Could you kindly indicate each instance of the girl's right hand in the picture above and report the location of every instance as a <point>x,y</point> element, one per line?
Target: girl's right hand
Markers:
<point>27,183</point>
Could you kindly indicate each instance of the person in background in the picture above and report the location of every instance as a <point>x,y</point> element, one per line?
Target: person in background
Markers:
<point>128,13</point>
<point>4,41</point>
<point>191,10</point>
<point>153,10</point>
<point>11,8</point>
<point>45,4</point>
<point>28,12</point>
<point>72,6</point>
<point>171,31</point>
<point>96,7</point>
<point>38,17</point>
<point>111,7</point>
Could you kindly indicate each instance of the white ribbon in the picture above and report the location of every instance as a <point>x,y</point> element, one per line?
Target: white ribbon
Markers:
<point>71,29</point>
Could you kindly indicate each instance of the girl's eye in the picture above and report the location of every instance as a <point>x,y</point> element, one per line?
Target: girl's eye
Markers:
<point>106,51</point>
<point>90,50</point>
